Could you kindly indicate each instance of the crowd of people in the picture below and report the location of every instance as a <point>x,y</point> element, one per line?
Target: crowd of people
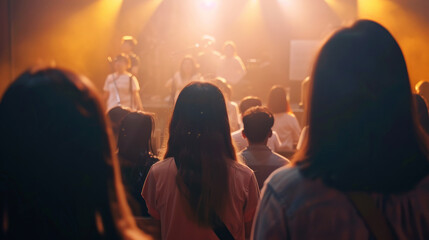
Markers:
<point>76,165</point>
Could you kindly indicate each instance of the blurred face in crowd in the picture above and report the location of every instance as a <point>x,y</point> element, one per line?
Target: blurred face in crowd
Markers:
<point>126,47</point>
<point>121,66</point>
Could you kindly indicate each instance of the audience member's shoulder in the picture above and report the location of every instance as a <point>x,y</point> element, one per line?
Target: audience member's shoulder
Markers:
<point>280,158</point>
<point>163,164</point>
<point>237,133</point>
<point>234,104</point>
<point>242,169</point>
<point>110,77</point>
<point>290,115</point>
<point>285,179</point>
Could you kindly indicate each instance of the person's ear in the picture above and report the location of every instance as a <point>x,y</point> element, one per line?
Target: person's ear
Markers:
<point>270,133</point>
<point>243,134</point>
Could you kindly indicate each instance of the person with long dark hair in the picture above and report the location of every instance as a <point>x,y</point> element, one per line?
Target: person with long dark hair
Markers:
<point>362,172</point>
<point>59,176</point>
<point>136,156</point>
<point>286,125</point>
<point>200,188</point>
<point>115,115</point>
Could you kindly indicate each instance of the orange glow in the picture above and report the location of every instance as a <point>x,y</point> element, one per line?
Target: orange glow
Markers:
<point>409,30</point>
<point>346,10</point>
<point>73,40</point>
<point>144,11</point>
<point>250,17</point>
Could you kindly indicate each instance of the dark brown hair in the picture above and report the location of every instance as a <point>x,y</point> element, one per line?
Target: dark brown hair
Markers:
<point>194,66</point>
<point>363,132</point>
<point>61,176</point>
<point>123,58</point>
<point>135,135</point>
<point>200,142</point>
<point>257,122</point>
<point>277,101</point>
<point>248,102</point>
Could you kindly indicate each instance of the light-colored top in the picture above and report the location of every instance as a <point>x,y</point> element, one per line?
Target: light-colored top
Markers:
<point>180,83</point>
<point>241,143</point>
<point>164,202</point>
<point>233,113</point>
<point>262,161</point>
<point>122,88</point>
<point>294,207</point>
<point>209,62</point>
<point>232,69</point>
<point>287,127</point>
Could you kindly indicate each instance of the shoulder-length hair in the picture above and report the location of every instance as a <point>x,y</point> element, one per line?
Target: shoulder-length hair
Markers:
<point>135,135</point>
<point>277,100</point>
<point>363,134</point>
<point>200,142</point>
<point>232,45</point>
<point>194,66</point>
<point>57,162</point>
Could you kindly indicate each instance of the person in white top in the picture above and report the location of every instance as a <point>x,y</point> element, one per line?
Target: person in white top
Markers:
<point>239,141</point>
<point>231,106</point>
<point>121,88</point>
<point>286,125</point>
<point>188,72</point>
<point>231,66</point>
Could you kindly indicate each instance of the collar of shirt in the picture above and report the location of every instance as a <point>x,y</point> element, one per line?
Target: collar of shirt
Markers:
<point>258,148</point>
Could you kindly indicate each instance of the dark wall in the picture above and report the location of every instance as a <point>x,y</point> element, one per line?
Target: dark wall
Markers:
<point>5,48</point>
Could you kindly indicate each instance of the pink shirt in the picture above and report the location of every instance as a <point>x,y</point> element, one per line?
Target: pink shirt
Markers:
<point>163,200</point>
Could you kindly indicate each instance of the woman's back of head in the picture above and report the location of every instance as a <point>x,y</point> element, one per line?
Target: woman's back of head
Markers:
<point>362,133</point>
<point>56,159</point>
<point>277,100</point>
<point>135,135</point>
<point>200,143</point>
<point>116,114</point>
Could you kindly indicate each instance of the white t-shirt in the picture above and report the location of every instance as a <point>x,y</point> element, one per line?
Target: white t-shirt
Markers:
<point>181,83</point>
<point>121,90</point>
<point>287,127</point>
<point>232,69</point>
<point>241,143</point>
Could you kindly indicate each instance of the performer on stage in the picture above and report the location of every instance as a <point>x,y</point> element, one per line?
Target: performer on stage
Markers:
<point>231,66</point>
<point>187,73</point>
<point>208,58</point>
<point>121,87</point>
<point>128,44</point>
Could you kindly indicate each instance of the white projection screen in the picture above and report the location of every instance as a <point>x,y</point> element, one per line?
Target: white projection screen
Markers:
<point>301,59</point>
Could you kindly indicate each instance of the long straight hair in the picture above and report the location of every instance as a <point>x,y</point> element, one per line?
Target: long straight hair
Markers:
<point>61,177</point>
<point>277,100</point>
<point>190,59</point>
<point>363,131</point>
<point>135,134</point>
<point>200,143</point>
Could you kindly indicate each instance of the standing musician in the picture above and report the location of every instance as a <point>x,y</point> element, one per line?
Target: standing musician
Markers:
<point>121,87</point>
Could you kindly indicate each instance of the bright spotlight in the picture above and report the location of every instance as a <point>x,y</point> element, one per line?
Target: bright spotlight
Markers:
<point>209,4</point>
